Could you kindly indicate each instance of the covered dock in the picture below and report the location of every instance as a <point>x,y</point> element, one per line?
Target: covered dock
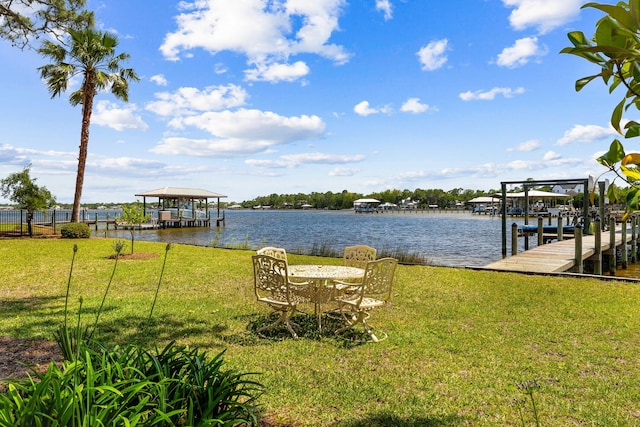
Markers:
<point>366,205</point>
<point>183,207</point>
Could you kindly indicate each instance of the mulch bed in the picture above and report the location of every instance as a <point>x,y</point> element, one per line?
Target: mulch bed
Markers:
<point>21,356</point>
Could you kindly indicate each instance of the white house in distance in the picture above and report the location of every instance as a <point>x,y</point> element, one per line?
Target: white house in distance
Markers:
<point>568,189</point>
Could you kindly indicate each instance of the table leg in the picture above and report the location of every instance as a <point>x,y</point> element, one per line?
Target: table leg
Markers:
<point>322,292</point>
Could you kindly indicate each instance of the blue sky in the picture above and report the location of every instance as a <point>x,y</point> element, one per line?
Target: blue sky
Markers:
<point>253,97</point>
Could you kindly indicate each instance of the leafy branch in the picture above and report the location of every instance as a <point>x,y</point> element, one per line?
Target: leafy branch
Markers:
<point>615,48</point>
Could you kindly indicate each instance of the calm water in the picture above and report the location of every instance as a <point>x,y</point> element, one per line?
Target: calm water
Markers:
<point>452,239</point>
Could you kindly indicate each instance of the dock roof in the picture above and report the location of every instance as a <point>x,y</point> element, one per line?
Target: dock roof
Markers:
<point>181,193</point>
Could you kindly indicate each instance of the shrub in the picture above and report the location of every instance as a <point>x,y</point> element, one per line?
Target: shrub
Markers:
<point>75,230</point>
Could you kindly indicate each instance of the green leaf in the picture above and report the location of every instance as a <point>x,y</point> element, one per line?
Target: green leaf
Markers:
<point>633,129</point>
<point>616,116</point>
<point>611,194</point>
<point>613,156</point>
<point>585,81</point>
<point>634,7</point>
<point>620,14</point>
<point>632,199</point>
<point>603,35</point>
<point>578,39</point>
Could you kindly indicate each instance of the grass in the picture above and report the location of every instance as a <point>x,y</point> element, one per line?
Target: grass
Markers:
<point>460,341</point>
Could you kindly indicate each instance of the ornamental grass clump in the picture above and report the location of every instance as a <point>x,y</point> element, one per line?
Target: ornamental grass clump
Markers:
<point>131,386</point>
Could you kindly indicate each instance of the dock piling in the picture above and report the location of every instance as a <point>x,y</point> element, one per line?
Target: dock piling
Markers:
<point>540,231</point>
<point>612,246</point>
<point>597,257</point>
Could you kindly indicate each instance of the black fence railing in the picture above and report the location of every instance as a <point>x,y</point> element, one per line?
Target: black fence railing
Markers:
<point>13,222</point>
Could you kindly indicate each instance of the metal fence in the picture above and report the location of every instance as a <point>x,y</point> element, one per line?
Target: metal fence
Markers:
<point>13,222</point>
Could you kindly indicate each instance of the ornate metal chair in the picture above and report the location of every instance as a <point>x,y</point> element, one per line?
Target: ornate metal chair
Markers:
<point>272,287</point>
<point>358,256</point>
<point>279,253</point>
<point>374,291</point>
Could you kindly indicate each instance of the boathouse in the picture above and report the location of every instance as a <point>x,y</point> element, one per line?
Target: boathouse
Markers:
<point>183,207</point>
<point>366,205</point>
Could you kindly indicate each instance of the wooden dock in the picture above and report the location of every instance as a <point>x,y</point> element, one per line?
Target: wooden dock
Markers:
<point>561,256</point>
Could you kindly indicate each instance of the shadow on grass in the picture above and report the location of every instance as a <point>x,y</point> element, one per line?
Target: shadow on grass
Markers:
<point>47,307</point>
<point>123,330</point>
<point>145,332</point>
<point>388,420</point>
<point>306,327</point>
<point>165,327</point>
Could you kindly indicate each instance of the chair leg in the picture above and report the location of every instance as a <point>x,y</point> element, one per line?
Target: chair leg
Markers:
<point>285,315</point>
<point>360,317</point>
<point>374,338</point>
<point>355,319</point>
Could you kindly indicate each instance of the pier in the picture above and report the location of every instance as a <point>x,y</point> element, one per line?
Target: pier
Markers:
<point>616,246</point>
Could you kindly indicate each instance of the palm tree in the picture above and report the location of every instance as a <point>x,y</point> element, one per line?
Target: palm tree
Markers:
<point>91,54</point>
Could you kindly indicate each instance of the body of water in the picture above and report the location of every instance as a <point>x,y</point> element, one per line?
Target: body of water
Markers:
<point>446,239</point>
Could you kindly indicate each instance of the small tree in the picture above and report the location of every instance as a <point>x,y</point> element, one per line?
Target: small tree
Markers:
<point>21,189</point>
<point>133,214</point>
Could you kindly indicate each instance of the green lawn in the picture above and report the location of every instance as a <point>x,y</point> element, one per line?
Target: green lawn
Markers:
<point>460,341</point>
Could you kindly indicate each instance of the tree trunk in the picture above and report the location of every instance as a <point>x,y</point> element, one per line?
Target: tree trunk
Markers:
<point>30,223</point>
<point>87,106</point>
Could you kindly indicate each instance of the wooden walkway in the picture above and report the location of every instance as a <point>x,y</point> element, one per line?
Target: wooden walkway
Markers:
<point>557,256</point>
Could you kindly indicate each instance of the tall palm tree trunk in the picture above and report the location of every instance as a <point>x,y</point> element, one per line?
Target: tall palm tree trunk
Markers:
<point>87,107</point>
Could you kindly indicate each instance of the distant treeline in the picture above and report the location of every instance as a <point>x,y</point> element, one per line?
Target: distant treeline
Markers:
<point>345,199</point>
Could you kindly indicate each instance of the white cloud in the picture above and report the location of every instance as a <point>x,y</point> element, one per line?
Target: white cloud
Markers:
<point>491,94</point>
<point>266,32</point>
<point>493,170</point>
<point>526,146</point>
<point>277,72</point>
<point>413,105</point>
<point>322,158</point>
<point>520,53</point>
<point>220,68</point>
<point>340,171</point>
<point>188,100</point>
<point>432,56</point>
<point>385,7</point>
<point>364,109</point>
<point>240,133</point>
<point>545,15</point>
<point>551,155</point>
<point>582,133</point>
<point>159,79</point>
<point>107,113</point>
<point>295,160</point>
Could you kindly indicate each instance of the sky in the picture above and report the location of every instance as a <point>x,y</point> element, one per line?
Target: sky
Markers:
<point>253,97</point>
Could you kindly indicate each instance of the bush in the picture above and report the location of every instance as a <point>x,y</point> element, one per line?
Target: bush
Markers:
<point>75,230</point>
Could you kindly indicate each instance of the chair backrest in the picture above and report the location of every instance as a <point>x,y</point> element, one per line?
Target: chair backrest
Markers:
<point>270,277</point>
<point>279,253</point>
<point>378,278</point>
<point>358,256</point>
